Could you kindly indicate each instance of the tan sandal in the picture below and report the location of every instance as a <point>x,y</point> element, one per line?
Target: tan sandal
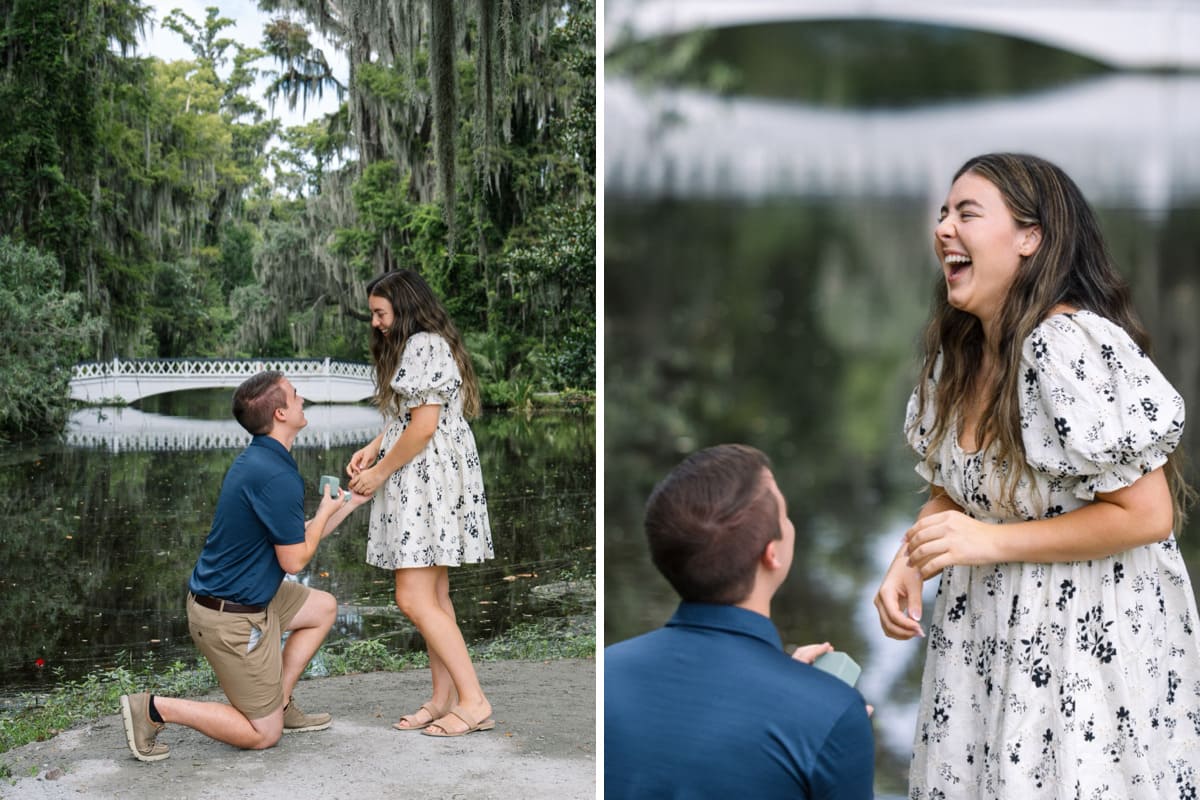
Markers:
<point>433,711</point>
<point>457,711</point>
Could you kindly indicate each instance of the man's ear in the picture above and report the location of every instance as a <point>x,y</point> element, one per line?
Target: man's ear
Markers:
<point>770,555</point>
<point>1032,241</point>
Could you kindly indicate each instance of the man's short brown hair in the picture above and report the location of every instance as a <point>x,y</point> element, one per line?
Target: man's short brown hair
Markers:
<point>709,521</point>
<point>255,401</point>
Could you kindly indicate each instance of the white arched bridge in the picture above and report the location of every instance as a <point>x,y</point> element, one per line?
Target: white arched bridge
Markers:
<point>1127,34</point>
<point>121,428</point>
<point>126,380</point>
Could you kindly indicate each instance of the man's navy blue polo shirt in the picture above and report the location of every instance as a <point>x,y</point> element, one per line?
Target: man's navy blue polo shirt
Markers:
<point>712,706</point>
<point>261,505</point>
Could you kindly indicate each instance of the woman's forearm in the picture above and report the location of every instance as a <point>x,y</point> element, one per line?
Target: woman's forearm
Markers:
<point>1114,522</point>
<point>1137,515</point>
<point>421,425</point>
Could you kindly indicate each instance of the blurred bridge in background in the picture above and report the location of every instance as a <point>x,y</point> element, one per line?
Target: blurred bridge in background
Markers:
<point>1127,34</point>
<point>127,380</point>
<point>1119,136</point>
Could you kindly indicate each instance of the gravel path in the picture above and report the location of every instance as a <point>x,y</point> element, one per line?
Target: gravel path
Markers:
<point>543,746</point>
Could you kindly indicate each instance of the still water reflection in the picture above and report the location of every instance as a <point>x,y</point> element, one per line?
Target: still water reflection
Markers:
<point>103,528</point>
<point>749,300</point>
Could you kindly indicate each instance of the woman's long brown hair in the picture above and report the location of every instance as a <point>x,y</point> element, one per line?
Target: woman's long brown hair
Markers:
<point>1072,266</point>
<point>415,309</point>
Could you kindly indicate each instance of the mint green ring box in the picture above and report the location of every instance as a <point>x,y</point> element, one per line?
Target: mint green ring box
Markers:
<point>840,666</point>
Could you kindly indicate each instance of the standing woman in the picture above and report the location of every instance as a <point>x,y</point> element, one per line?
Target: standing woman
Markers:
<point>1064,644</point>
<point>429,511</point>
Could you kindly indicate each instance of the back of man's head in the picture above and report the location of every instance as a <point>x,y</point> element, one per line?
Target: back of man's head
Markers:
<point>255,401</point>
<point>709,521</point>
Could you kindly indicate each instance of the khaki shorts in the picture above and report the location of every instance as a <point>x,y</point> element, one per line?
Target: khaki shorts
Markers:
<point>245,650</point>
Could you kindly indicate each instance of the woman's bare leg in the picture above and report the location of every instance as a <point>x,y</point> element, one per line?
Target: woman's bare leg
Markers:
<point>418,595</point>
<point>443,685</point>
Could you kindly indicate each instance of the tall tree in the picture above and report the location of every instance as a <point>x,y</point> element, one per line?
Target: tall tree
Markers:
<point>484,110</point>
<point>56,60</point>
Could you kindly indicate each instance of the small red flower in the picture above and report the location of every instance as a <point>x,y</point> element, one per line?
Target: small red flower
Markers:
<point>39,663</point>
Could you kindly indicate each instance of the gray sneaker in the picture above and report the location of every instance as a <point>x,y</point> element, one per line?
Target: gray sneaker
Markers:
<point>296,721</point>
<point>141,731</point>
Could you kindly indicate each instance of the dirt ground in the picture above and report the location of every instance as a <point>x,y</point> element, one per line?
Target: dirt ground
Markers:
<point>543,746</point>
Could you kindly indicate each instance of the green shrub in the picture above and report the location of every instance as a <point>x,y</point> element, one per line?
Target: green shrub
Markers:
<point>45,332</point>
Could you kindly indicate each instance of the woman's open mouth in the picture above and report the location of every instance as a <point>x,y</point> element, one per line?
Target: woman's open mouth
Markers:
<point>956,264</point>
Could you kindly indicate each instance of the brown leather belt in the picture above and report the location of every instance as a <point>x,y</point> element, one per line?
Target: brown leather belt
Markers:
<point>217,604</point>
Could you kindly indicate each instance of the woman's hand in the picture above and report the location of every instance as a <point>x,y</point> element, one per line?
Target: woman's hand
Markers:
<point>362,459</point>
<point>898,600</point>
<point>367,481</point>
<point>946,539</point>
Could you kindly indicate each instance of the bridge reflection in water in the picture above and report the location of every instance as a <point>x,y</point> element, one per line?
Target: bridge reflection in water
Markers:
<point>122,428</point>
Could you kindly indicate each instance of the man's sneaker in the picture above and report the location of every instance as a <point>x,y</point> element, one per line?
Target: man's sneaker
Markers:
<point>296,721</point>
<point>140,730</point>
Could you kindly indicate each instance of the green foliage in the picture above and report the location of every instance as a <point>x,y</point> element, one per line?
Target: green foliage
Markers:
<point>235,265</point>
<point>521,283</point>
<point>54,61</point>
<point>310,149</point>
<point>187,313</point>
<point>368,655</point>
<point>305,73</point>
<point>45,331</point>
<point>548,279</point>
<point>390,224</point>
<point>190,230</point>
<point>543,640</point>
<point>43,716</point>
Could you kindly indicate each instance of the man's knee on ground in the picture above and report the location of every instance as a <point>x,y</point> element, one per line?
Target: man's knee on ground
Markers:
<point>267,741</point>
<point>268,731</point>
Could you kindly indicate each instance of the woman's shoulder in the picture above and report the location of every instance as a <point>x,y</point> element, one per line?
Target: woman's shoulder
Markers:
<point>1078,329</point>
<point>1080,324</point>
<point>426,341</point>
<point>425,338</point>
<point>1088,357</point>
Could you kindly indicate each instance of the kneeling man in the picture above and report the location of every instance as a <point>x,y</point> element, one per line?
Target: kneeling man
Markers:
<point>239,604</point>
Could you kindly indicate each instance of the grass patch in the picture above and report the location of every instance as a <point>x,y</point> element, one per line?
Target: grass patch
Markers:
<point>43,716</point>
<point>543,640</point>
<point>363,655</point>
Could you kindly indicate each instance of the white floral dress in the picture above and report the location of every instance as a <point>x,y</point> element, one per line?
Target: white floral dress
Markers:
<point>1068,680</point>
<point>432,511</point>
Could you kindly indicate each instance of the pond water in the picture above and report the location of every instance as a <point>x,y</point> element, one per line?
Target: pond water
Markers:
<point>103,527</point>
<point>768,270</point>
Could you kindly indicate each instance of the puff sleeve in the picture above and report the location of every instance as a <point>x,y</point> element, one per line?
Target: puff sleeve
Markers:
<point>917,431</point>
<point>1093,405</point>
<point>428,374</point>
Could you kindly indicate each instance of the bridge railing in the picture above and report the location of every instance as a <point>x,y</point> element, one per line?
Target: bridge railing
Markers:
<point>184,367</point>
<point>125,381</point>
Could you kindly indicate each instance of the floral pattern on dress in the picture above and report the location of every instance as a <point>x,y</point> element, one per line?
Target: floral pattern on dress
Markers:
<point>1063,680</point>
<point>433,510</point>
